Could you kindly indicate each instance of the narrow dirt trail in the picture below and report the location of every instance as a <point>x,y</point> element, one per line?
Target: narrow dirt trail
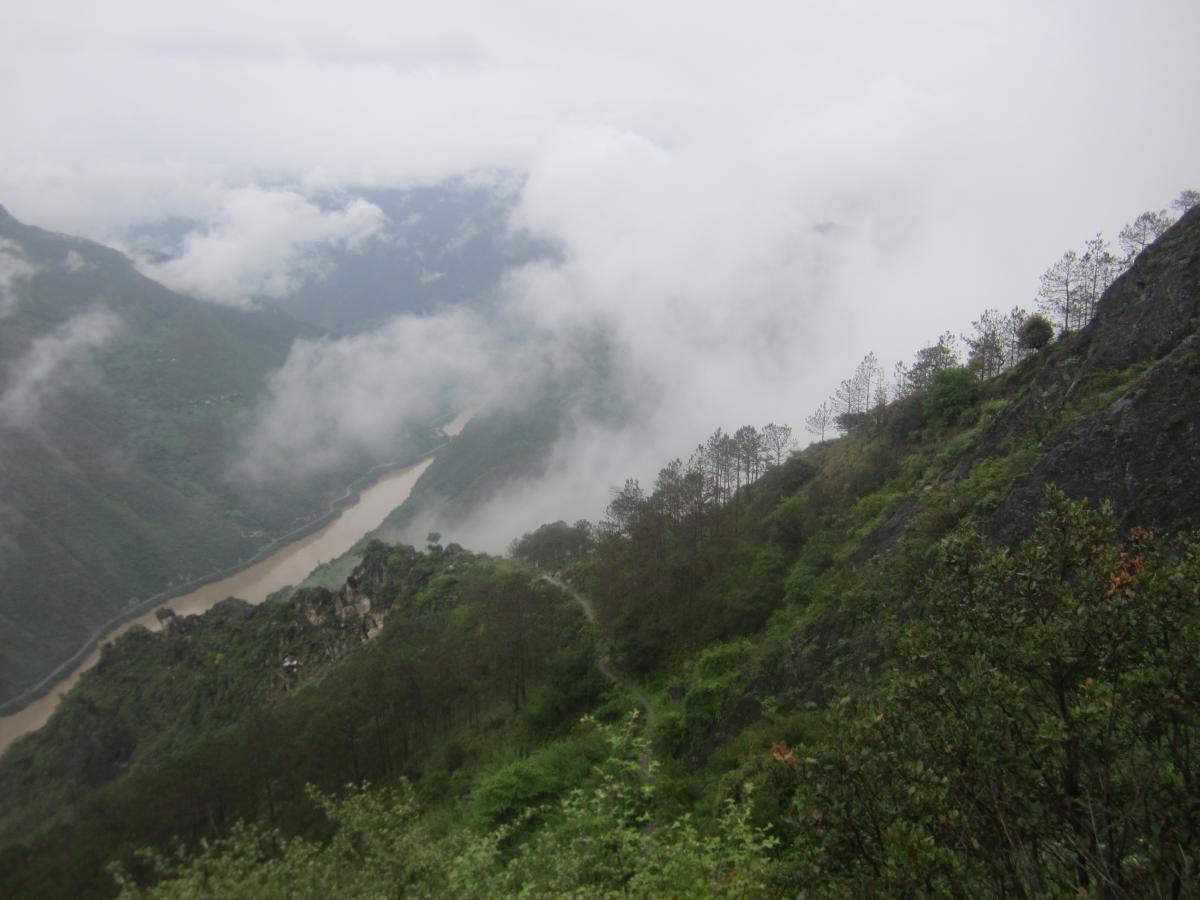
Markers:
<point>602,663</point>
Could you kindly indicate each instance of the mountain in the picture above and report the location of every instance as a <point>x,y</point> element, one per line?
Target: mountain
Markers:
<point>954,652</point>
<point>507,445</point>
<point>121,406</point>
<point>444,244</point>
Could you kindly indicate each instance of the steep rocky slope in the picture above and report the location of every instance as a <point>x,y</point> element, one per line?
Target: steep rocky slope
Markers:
<point>1132,379</point>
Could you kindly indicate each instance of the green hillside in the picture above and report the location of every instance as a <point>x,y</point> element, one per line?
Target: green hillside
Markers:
<point>115,478</point>
<point>951,653</point>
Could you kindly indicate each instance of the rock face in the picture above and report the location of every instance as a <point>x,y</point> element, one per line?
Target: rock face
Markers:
<point>1143,452</point>
<point>1143,449</point>
<point>1150,309</point>
<point>345,617</point>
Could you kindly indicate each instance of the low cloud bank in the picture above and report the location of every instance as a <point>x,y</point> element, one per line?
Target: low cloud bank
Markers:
<point>263,244</point>
<point>14,269</point>
<point>55,363</point>
<point>716,300</point>
<point>354,396</point>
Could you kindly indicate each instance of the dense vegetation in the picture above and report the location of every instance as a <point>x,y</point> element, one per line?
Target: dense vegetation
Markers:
<point>1033,734</point>
<point>814,674</point>
<point>476,661</point>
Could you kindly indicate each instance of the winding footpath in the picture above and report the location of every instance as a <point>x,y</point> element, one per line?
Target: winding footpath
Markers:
<point>605,667</point>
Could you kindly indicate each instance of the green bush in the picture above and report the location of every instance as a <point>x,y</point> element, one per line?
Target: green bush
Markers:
<point>1034,733</point>
<point>505,794</point>
<point>1036,332</point>
<point>951,393</point>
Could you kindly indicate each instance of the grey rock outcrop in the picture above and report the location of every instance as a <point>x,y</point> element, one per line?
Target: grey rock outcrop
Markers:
<point>1143,449</point>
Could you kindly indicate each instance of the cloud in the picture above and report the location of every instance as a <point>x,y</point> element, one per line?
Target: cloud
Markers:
<point>263,244</point>
<point>74,262</point>
<point>356,396</point>
<point>15,270</point>
<point>714,296</point>
<point>583,467</point>
<point>711,295</point>
<point>747,196</point>
<point>332,47</point>
<point>56,363</point>
<point>725,299</point>
<point>973,118</point>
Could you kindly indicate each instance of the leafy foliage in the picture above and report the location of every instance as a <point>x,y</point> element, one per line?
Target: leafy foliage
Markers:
<point>1037,332</point>
<point>1035,733</point>
<point>595,844</point>
<point>950,395</point>
<point>553,545</point>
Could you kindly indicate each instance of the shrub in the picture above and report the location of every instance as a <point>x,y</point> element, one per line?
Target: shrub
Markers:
<point>951,393</point>
<point>1036,332</point>
<point>1039,710</point>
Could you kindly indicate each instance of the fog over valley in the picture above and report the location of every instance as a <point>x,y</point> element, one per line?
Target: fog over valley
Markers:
<point>743,199</point>
<point>657,449</point>
<point>739,201</point>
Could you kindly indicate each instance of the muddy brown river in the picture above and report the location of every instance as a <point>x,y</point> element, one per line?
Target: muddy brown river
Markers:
<point>289,565</point>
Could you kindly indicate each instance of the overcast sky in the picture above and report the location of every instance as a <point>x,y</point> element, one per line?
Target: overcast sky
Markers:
<point>683,154</point>
<point>996,133</point>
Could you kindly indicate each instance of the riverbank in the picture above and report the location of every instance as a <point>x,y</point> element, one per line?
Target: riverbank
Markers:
<point>285,561</point>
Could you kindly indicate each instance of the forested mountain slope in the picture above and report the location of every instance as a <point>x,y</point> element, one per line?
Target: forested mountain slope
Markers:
<point>893,664</point>
<point>121,405</point>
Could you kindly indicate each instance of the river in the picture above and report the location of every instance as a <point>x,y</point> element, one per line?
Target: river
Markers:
<point>289,565</point>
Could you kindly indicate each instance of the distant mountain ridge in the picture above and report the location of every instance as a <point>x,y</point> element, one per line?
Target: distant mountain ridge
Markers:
<point>445,244</point>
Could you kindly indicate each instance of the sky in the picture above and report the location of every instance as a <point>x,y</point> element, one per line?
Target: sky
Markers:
<point>751,195</point>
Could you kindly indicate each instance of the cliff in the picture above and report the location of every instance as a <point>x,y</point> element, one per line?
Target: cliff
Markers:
<point>1138,361</point>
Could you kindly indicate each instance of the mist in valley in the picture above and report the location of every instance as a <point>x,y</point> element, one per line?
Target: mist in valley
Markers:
<point>731,204</point>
